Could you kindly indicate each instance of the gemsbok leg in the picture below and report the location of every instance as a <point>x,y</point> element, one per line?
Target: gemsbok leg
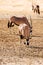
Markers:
<point>8,24</point>
<point>27,41</point>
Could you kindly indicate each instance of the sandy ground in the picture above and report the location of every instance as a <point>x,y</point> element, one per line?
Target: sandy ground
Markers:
<point>12,52</point>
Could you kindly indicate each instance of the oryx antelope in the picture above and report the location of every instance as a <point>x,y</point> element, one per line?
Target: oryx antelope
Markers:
<point>23,25</point>
<point>24,32</point>
<point>36,8</point>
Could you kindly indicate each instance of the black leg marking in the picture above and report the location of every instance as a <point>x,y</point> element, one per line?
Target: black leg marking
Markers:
<point>21,36</point>
<point>27,41</point>
<point>8,24</point>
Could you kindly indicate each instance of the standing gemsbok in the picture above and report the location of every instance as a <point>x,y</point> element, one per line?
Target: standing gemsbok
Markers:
<point>24,32</point>
<point>36,8</point>
<point>24,26</point>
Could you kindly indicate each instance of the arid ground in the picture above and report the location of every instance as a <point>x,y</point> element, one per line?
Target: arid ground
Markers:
<point>12,52</point>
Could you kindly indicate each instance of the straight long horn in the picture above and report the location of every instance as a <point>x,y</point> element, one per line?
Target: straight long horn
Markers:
<point>31,21</point>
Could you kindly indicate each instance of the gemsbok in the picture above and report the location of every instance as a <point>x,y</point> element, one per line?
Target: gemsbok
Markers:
<point>23,25</point>
<point>24,32</point>
<point>36,8</point>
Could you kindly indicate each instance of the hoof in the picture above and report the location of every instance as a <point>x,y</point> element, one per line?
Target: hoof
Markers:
<point>30,31</point>
<point>21,36</point>
<point>24,43</point>
<point>27,43</point>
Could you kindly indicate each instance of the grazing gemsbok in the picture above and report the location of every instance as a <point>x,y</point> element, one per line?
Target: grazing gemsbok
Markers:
<point>36,8</point>
<point>23,24</point>
<point>24,32</point>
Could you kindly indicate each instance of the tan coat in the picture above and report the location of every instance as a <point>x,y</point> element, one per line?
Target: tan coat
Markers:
<point>24,30</point>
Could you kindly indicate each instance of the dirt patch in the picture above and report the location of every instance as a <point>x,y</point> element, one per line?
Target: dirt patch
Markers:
<point>12,52</point>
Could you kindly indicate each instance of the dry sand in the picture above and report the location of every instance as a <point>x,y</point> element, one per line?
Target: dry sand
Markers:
<point>12,52</point>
